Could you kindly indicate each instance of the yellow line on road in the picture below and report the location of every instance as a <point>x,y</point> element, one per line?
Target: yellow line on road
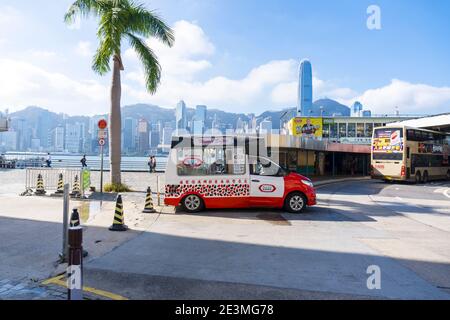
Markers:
<point>58,281</point>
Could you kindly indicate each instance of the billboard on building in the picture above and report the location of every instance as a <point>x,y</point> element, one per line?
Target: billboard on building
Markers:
<point>306,127</point>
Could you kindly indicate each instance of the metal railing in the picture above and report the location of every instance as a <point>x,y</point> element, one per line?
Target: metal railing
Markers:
<point>51,176</point>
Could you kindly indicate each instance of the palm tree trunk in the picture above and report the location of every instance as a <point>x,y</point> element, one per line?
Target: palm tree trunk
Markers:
<point>115,127</point>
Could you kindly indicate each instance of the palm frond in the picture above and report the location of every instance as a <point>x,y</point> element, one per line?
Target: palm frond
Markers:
<point>84,8</point>
<point>152,68</point>
<point>102,57</point>
<point>148,24</point>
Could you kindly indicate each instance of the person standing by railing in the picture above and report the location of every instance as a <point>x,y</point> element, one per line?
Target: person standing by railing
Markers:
<point>49,160</point>
<point>153,164</point>
<point>83,162</point>
<point>149,163</point>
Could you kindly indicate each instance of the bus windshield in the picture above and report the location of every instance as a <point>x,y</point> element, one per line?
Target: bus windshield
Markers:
<point>388,144</point>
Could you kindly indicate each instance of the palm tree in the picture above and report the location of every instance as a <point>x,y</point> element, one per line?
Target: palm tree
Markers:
<point>119,19</point>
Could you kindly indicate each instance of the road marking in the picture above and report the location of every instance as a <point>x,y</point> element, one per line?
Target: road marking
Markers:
<point>58,281</point>
<point>447,193</point>
<point>444,191</point>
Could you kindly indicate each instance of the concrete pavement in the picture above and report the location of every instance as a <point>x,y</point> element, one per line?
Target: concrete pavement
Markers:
<point>326,250</point>
<point>260,254</point>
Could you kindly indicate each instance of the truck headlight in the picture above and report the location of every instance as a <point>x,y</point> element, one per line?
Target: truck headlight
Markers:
<point>308,183</point>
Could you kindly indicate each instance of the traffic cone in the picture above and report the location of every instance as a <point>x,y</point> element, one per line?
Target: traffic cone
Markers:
<point>148,208</point>
<point>60,189</point>
<point>76,190</point>
<point>75,219</point>
<point>40,190</point>
<point>119,221</point>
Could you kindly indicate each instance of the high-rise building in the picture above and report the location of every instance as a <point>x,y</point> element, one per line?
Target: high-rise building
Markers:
<point>199,120</point>
<point>129,134</point>
<point>305,89</point>
<point>58,139</point>
<point>357,108</point>
<point>72,137</point>
<point>181,117</point>
<point>8,141</point>
<point>367,113</point>
<point>167,139</point>
<point>143,134</point>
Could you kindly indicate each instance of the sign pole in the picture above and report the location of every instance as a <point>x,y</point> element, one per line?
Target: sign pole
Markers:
<point>102,125</point>
<point>101,172</point>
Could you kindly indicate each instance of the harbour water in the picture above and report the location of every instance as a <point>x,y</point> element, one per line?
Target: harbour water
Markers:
<point>132,164</point>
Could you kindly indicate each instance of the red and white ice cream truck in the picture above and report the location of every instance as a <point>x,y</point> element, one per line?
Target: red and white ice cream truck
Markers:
<point>231,172</point>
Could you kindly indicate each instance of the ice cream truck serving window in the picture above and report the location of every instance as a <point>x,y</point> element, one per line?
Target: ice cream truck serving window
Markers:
<point>206,156</point>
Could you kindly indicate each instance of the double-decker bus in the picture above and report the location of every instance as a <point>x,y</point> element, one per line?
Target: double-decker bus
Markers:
<point>401,153</point>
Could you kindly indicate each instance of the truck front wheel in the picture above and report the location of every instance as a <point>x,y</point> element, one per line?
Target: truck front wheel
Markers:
<point>295,202</point>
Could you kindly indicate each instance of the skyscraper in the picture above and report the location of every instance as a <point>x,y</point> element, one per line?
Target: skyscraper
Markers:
<point>181,118</point>
<point>305,90</point>
<point>143,142</point>
<point>198,123</point>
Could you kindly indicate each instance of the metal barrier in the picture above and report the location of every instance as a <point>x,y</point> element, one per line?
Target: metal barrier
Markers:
<point>51,176</point>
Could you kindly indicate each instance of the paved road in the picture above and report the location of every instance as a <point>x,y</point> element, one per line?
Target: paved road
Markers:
<point>324,253</point>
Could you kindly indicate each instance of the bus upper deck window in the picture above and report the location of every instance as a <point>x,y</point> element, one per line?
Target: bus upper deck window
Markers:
<point>407,152</point>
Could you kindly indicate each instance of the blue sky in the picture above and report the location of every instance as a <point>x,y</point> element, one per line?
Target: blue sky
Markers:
<point>237,55</point>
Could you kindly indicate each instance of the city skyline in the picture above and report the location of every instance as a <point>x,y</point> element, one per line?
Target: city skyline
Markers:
<point>212,65</point>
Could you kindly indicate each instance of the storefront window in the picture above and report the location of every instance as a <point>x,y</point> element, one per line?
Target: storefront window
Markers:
<point>342,130</point>
<point>333,130</point>
<point>360,130</point>
<point>369,130</point>
<point>292,160</point>
<point>351,132</point>
<point>326,131</point>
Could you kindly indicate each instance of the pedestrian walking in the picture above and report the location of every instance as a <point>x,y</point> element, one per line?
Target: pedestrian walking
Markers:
<point>153,164</point>
<point>49,160</point>
<point>149,163</point>
<point>83,162</point>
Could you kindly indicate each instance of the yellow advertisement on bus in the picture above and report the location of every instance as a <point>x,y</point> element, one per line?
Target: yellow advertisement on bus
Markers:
<point>306,127</point>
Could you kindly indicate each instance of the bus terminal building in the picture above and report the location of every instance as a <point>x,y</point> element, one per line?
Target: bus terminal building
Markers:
<point>337,145</point>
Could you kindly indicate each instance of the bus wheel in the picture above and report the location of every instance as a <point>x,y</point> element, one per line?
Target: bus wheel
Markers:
<point>425,177</point>
<point>295,202</point>
<point>418,177</point>
<point>192,203</point>
<point>448,175</point>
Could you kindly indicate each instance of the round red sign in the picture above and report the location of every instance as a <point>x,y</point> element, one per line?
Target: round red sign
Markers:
<point>102,124</point>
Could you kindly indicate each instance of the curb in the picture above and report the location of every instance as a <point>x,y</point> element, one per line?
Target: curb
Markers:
<point>333,181</point>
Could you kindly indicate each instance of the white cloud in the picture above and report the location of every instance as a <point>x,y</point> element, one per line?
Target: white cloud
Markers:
<point>409,97</point>
<point>11,20</point>
<point>187,57</point>
<point>84,49</point>
<point>43,54</point>
<point>24,84</point>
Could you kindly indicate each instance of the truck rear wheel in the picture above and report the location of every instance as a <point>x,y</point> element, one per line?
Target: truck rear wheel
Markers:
<point>425,177</point>
<point>418,178</point>
<point>192,203</point>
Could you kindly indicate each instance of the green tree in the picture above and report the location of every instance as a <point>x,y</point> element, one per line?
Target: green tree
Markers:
<point>119,20</point>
